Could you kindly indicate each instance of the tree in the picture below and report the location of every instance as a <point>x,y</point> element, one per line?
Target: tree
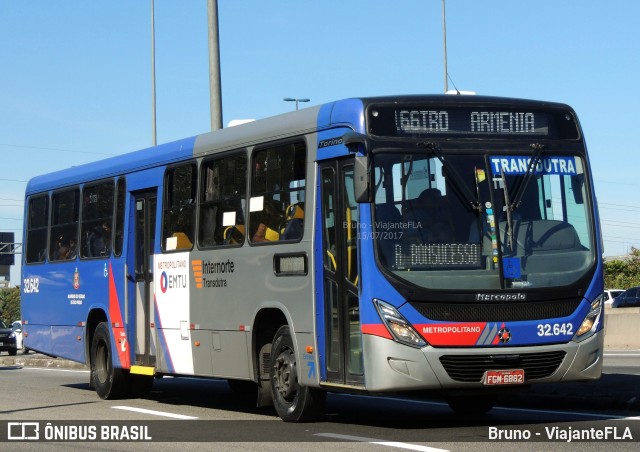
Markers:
<point>623,274</point>
<point>10,305</point>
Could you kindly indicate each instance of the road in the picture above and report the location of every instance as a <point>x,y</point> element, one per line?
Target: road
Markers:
<point>186,409</point>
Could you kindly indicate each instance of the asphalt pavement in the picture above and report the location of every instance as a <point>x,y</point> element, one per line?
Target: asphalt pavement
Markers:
<point>613,391</point>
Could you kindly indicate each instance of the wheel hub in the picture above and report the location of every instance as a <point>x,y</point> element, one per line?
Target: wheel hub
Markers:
<point>285,375</point>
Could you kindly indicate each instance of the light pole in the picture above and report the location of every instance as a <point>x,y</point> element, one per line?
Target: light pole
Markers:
<point>444,45</point>
<point>153,78</point>
<point>215,84</point>
<point>296,100</point>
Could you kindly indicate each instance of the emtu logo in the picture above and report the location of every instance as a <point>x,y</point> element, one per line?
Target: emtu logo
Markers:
<point>196,266</point>
<point>164,282</point>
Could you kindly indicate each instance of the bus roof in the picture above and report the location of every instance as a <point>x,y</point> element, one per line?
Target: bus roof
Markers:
<point>346,113</point>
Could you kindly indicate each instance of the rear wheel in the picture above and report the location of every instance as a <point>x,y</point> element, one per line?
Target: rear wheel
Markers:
<point>110,382</point>
<point>293,402</point>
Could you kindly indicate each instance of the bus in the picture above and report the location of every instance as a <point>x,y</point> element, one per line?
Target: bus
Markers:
<point>369,245</point>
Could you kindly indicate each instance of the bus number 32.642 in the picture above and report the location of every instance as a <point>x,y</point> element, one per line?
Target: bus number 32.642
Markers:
<point>555,329</point>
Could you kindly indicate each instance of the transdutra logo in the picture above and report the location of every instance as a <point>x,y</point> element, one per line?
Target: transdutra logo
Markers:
<point>211,274</point>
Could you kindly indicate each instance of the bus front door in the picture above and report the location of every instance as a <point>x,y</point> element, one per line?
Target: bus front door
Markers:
<point>143,227</point>
<point>343,341</point>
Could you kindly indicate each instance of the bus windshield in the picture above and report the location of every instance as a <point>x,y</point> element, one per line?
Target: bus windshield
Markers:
<point>482,221</point>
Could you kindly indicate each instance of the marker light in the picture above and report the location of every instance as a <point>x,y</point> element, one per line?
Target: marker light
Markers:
<point>591,320</point>
<point>397,325</point>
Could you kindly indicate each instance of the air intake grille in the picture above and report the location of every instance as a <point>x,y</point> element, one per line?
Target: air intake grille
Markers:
<point>471,368</point>
<point>497,312</point>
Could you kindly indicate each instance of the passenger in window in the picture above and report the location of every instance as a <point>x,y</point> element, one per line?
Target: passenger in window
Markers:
<point>100,240</point>
<point>72,251</point>
<point>60,251</point>
<point>269,220</point>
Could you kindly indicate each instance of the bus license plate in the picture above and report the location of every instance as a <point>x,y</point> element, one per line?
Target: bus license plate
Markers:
<point>504,377</point>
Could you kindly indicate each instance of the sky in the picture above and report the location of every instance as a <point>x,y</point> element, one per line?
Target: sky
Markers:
<point>75,75</point>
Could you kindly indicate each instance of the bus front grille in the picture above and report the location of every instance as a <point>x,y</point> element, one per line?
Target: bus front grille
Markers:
<point>497,312</point>
<point>471,368</point>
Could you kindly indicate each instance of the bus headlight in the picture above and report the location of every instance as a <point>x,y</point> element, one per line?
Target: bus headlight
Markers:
<point>397,325</point>
<point>591,320</point>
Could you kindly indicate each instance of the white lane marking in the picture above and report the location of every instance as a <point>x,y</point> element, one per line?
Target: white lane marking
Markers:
<point>56,370</point>
<point>380,442</point>
<point>154,412</point>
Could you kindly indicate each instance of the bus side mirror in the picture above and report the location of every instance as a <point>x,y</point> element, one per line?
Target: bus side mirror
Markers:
<point>361,178</point>
<point>357,142</point>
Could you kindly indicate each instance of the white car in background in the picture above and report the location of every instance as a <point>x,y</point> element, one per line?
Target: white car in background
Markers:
<point>16,327</point>
<point>609,295</point>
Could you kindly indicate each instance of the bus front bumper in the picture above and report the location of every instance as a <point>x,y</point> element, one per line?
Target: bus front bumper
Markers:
<point>397,367</point>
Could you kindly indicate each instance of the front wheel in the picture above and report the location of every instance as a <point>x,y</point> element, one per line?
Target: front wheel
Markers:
<point>293,403</point>
<point>110,382</point>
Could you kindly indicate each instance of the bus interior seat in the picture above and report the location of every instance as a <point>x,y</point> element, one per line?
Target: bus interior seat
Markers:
<point>432,216</point>
<point>293,226</point>
<point>542,236</point>
<point>183,242</point>
<point>233,235</point>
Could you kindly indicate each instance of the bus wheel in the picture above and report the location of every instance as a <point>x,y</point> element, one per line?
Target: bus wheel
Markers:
<point>110,382</point>
<point>471,405</point>
<point>293,403</point>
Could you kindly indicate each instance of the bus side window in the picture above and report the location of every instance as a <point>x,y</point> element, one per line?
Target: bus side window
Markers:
<point>178,223</point>
<point>64,224</point>
<point>37,229</point>
<point>278,193</point>
<point>222,201</point>
<point>97,217</point>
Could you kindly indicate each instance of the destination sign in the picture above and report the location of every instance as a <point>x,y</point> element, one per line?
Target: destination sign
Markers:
<point>415,121</point>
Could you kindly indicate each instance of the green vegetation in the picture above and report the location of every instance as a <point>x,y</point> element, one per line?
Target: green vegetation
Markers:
<point>10,305</point>
<point>620,274</point>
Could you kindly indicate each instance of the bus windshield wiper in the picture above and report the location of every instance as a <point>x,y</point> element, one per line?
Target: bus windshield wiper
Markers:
<point>512,205</point>
<point>458,184</point>
<point>508,210</point>
<point>520,188</point>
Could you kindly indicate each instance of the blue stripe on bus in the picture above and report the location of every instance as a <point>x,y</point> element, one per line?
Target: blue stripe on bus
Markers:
<point>319,285</point>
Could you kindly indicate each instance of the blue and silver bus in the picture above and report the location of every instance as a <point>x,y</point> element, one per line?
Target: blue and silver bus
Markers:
<point>368,245</point>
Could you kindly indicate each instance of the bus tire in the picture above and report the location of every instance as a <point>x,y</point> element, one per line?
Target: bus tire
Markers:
<point>471,405</point>
<point>109,382</point>
<point>293,402</point>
